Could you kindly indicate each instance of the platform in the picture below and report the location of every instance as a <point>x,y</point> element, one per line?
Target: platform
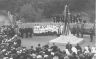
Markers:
<point>64,39</point>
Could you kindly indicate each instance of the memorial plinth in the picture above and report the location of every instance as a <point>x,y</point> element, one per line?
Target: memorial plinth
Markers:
<point>64,39</point>
<point>67,36</point>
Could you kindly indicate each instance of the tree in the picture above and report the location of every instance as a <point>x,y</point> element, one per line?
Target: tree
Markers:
<point>49,7</point>
<point>31,13</point>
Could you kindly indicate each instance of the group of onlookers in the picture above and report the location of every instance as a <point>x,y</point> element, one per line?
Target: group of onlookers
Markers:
<point>7,30</point>
<point>8,40</point>
<point>10,48</point>
<point>71,19</point>
<point>26,32</point>
<point>79,32</point>
<point>49,52</point>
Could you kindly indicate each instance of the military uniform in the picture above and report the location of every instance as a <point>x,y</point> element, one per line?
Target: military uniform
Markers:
<point>30,32</point>
<point>82,30</point>
<point>21,30</point>
<point>91,35</point>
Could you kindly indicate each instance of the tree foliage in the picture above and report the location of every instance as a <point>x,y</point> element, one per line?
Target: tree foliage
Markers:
<point>36,9</point>
<point>30,13</point>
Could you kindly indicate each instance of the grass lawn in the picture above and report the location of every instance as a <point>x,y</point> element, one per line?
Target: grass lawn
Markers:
<point>27,42</point>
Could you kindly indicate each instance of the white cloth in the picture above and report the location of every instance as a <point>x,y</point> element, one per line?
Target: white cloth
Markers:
<point>74,50</point>
<point>5,58</point>
<point>52,53</point>
<point>67,52</point>
<point>45,56</point>
<point>39,56</point>
<point>93,50</point>
<point>86,50</point>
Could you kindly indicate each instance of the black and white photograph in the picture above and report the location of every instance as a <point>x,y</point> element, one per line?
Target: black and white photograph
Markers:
<point>47,29</point>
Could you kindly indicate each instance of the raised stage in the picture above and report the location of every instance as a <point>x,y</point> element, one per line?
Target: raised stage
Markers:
<point>65,39</point>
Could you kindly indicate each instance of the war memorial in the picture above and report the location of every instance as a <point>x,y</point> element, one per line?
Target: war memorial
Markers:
<point>65,37</point>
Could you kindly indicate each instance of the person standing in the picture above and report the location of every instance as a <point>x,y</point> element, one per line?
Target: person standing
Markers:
<point>26,32</point>
<point>68,46</point>
<point>21,30</point>
<point>82,28</point>
<point>79,49</point>
<point>91,34</point>
<point>77,29</point>
<point>54,48</point>
<point>30,32</point>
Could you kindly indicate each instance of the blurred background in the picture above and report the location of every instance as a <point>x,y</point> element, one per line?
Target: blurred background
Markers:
<point>42,10</point>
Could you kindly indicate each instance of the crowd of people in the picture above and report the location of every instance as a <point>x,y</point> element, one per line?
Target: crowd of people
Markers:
<point>77,30</point>
<point>8,39</point>
<point>73,18</point>
<point>10,48</point>
<point>26,32</point>
<point>48,52</point>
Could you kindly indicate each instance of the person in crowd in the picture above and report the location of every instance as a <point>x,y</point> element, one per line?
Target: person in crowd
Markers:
<point>73,49</point>
<point>81,56</point>
<point>31,51</point>
<point>54,48</point>
<point>26,32</point>
<point>30,32</point>
<point>79,49</point>
<point>1,38</point>
<point>46,46</point>
<point>11,32</point>
<point>73,30</point>
<point>21,30</point>
<point>60,55</point>
<point>82,28</point>
<point>38,48</point>
<point>73,56</point>
<point>91,34</point>
<point>18,42</point>
<point>77,30</point>
<point>68,46</point>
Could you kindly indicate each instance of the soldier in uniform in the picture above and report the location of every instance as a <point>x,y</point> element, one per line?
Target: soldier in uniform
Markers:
<point>21,30</point>
<point>31,32</point>
<point>91,34</point>
<point>77,30</point>
<point>73,30</point>
<point>82,29</point>
<point>26,32</point>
